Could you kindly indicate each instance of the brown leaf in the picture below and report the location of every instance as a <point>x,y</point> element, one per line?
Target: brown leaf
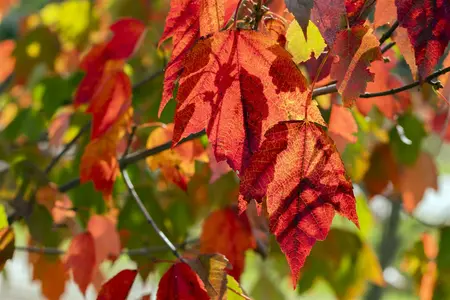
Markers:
<point>212,270</point>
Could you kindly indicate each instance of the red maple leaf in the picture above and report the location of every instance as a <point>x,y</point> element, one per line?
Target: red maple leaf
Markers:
<point>99,161</point>
<point>357,11</point>
<point>428,25</point>
<point>327,15</point>
<point>237,84</point>
<point>81,260</point>
<point>354,50</point>
<point>181,282</point>
<point>299,170</point>
<point>183,26</point>
<point>118,287</point>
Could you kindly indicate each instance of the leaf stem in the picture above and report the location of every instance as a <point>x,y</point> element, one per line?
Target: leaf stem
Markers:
<point>147,215</point>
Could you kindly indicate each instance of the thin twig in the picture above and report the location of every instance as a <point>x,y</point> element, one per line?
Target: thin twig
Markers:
<point>239,294</point>
<point>147,215</point>
<point>328,89</point>
<point>41,250</point>
<point>67,147</point>
<point>130,141</point>
<point>388,33</point>
<point>134,158</point>
<point>387,47</point>
<point>139,155</point>
<point>146,79</point>
<point>130,252</point>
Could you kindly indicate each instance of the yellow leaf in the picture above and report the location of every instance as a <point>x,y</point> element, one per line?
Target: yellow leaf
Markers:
<point>300,48</point>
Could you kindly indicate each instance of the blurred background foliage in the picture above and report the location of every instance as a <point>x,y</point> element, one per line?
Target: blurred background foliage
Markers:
<point>402,247</point>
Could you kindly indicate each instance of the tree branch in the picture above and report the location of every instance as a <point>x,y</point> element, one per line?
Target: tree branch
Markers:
<point>130,252</point>
<point>147,215</point>
<point>134,158</point>
<point>67,147</point>
<point>328,89</point>
<point>388,33</point>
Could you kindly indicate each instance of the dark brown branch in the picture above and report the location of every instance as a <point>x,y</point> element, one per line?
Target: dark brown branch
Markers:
<point>147,215</point>
<point>387,47</point>
<point>328,89</point>
<point>388,33</point>
<point>131,252</point>
<point>134,158</point>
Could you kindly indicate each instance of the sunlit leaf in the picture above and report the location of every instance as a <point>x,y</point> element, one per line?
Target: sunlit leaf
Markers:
<point>301,48</point>
<point>304,188</point>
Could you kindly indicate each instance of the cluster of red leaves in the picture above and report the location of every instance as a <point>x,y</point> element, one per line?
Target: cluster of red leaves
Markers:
<point>243,88</point>
<point>106,88</point>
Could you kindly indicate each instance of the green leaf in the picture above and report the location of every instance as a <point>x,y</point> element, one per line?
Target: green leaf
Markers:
<point>266,289</point>
<point>406,138</point>
<point>300,48</point>
<point>234,290</point>
<point>40,225</point>
<point>51,93</point>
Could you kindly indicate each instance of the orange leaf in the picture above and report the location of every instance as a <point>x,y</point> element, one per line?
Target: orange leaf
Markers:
<point>385,12</point>
<point>58,204</point>
<point>237,84</point>
<point>80,258</point>
<point>415,180</point>
<point>118,287</point>
<point>400,37</point>
<point>212,14</point>
<point>181,282</point>
<point>384,79</point>
<point>342,127</point>
<point>106,238</point>
<point>99,162</point>
<point>234,239</point>
<point>303,176</point>
<point>177,164</point>
<point>6,57</point>
<point>110,103</point>
<point>52,274</point>
<point>354,50</point>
